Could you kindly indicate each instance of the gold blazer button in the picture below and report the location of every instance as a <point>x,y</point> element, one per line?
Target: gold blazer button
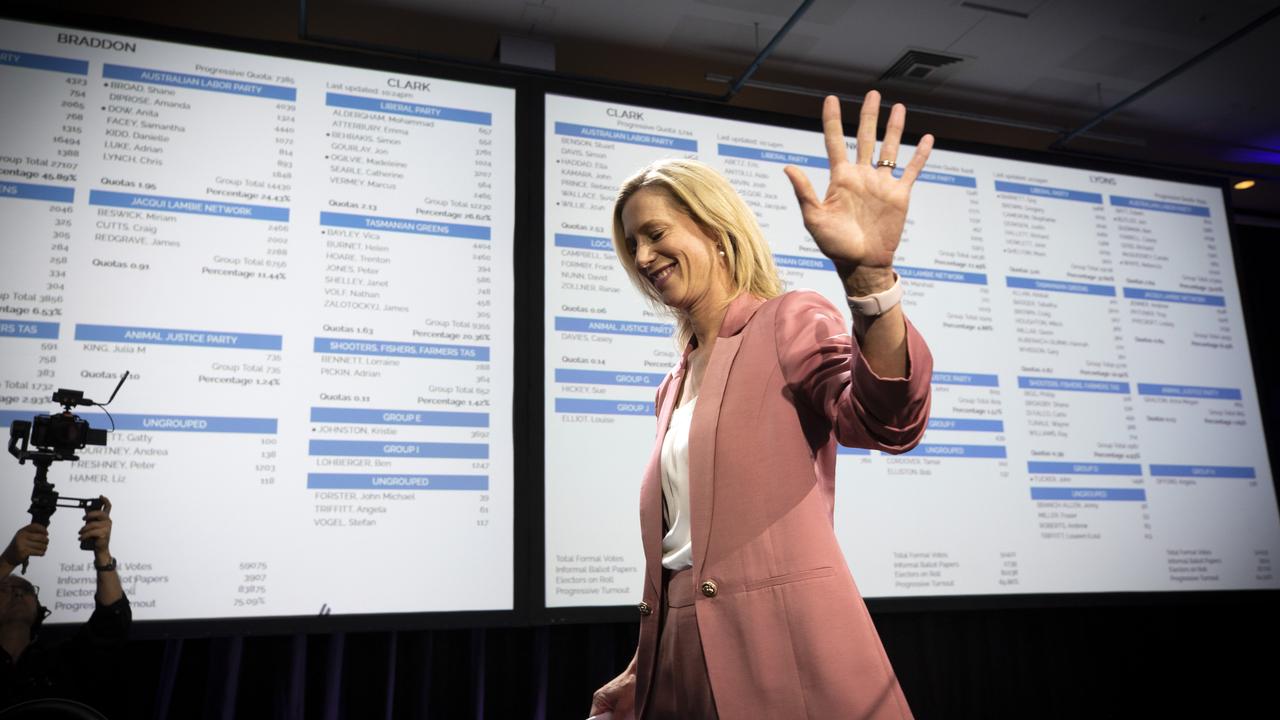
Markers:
<point>644,608</point>
<point>709,588</point>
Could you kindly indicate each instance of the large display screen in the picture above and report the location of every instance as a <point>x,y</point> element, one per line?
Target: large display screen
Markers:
<point>306,270</point>
<point>1095,424</point>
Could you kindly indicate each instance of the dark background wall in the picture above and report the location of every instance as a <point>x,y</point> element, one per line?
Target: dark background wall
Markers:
<point>1209,660</point>
<point>1204,655</point>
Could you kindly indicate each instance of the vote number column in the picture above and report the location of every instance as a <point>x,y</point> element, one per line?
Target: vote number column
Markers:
<point>40,151</point>
<point>1199,417</point>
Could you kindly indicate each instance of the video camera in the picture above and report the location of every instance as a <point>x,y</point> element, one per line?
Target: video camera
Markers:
<point>60,434</point>
<point>57,438</point>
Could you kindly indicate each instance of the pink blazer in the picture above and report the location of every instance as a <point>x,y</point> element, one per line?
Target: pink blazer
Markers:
<point>784,630</point>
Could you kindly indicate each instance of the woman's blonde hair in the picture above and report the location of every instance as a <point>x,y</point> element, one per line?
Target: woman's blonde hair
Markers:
<point>705,196</point>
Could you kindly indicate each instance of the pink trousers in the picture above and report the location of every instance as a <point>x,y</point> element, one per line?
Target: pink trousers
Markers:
<point>680,689</point>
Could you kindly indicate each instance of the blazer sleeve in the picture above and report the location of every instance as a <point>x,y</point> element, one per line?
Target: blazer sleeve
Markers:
<point>824,368</point>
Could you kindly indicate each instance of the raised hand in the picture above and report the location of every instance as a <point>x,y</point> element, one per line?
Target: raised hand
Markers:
<point>858,225</point>
<point>28,541</point>
<point>97,527</point>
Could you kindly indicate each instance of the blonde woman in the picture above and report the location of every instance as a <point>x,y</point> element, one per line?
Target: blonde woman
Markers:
<point>749,609</point>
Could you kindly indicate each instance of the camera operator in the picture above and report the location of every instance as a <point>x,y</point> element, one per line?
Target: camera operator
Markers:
<point>82,668</point>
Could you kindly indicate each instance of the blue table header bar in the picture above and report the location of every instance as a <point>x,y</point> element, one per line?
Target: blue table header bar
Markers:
<point>160,203</point>
<point>1039,467</point>
<point>1089,494</point>
<point>1223,471</point>
<point>184,423</point>
<point>343,481</point>
<point>941,275</point>
<point>27,329</point>
<point>170,336</point>
<point>160,423</point>
<point>1073,384</point>
<point>199,82</point>
<point>432,418</point>
<point>774,156</point>
<point>963,451</point>
<point>27,191</point>
<point>1065,286</point>
<point>1048,192</point>
<point>425,351</point>
<point>13,58</point>
<point>603,407</point>
<point>966,424</point>
<point>626,136</point>
<point>613,327</point>
<point>803,262</point>
<point>374,448</point>
<point>938,178</point>
<point>1174,296</point>
<point>957,378</point>
<point>1160,206</point>
<point>403,225</point>
<point>1189,391</point>
<point>606,377</point>
<point>584,242</point>
<point>399,107</point>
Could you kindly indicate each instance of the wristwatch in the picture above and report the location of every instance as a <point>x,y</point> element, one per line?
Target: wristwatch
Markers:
<point>105,568</point>
<point>878,303</point>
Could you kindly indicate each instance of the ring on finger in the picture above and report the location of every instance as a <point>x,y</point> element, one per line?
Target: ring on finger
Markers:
<point>886,163</point>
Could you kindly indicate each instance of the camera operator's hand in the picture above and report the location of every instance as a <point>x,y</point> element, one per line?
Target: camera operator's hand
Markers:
<point>97,527</point>
<point>30,540</point>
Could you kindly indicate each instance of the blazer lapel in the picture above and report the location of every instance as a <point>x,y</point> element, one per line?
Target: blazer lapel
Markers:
<point>706,418</point>
<point>702,446</point>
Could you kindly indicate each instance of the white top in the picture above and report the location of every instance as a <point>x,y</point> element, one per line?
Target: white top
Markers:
<point>677,546</point>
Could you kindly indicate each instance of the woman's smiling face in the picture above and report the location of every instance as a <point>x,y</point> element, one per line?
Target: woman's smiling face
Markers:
<point>673,253</point>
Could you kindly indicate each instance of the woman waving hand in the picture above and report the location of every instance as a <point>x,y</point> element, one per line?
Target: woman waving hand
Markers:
<point>749,609</point>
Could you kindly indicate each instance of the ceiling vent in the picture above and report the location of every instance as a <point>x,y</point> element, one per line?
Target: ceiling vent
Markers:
<point>922,67</point>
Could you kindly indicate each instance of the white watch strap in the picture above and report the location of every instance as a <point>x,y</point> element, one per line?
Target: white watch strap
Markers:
<point>877,304</point>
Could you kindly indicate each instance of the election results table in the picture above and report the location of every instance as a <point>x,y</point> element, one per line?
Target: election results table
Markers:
<point>1095,425</point>
<point>306,270</point>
